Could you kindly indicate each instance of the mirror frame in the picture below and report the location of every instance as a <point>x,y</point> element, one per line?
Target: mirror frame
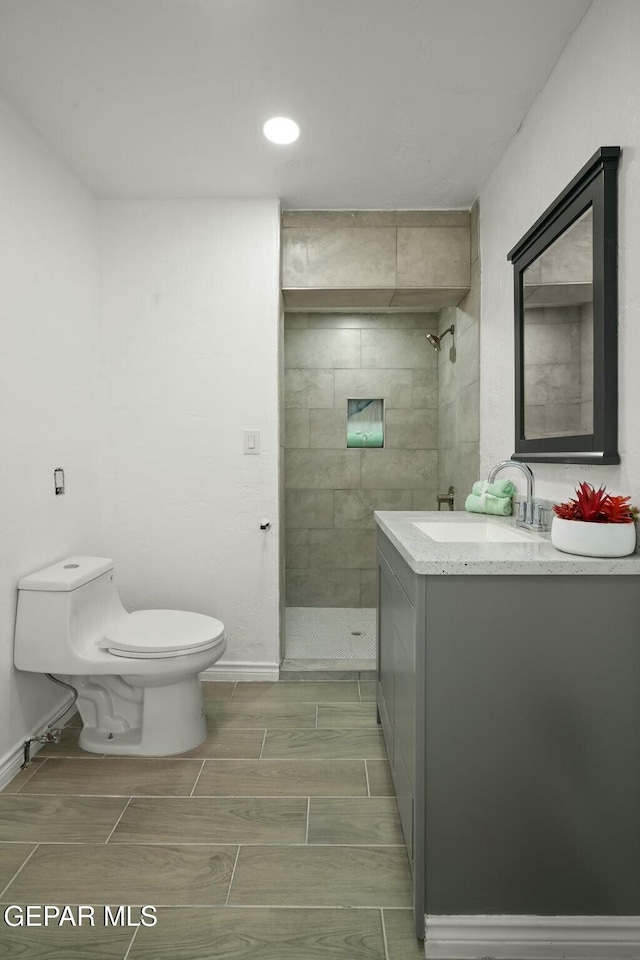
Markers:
<point>594,186</point>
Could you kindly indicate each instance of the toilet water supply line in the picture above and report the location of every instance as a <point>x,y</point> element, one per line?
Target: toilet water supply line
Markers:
<point>52,733</point>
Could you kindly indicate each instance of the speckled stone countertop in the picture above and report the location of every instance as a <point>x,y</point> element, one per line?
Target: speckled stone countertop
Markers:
<point>428,556</point>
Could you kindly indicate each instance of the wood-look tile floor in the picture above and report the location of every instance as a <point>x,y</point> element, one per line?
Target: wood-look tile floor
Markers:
<point>277,838</point>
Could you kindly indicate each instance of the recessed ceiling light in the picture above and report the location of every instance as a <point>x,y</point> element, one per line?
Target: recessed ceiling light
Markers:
<point>281,130</point>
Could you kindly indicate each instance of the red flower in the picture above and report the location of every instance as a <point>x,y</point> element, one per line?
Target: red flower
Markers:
<point>596,506</point>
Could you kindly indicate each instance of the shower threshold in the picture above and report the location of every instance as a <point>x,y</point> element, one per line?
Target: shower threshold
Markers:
<point>331,640</point>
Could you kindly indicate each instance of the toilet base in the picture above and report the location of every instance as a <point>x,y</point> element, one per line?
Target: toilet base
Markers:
<point>122,719</point>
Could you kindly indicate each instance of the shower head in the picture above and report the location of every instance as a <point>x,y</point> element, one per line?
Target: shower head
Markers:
<point>435,341</point>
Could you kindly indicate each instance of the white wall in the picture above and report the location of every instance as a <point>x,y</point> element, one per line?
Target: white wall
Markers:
<point>190,340</point>
<point>48,362</point>
<point>591,99</point>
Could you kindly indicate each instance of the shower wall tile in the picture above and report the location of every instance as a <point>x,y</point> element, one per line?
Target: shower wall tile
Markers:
<point>424,388</point>
<point>354,508</point>
<point>447,424</point>
<point>339,257</point>
<point>467,420</point>
<point>329,587</point>
<point>331,492</point>
<point>467,357</point>
<point>296,321</point>
<point>297,547</point>
<point>327,348</point>
<point>308,388</point>
<point>369,588</point>
<point>391,469</point>
<point>328,429</point>
<point>374,218</point>
<point>375,321</point>
<point>468,310</point>
<point>394,386</point>
<point>411,429</point>
<point>433,257</point>
<point>425,499</point>
<point>296,427</point>
<point>407,349</point>
<point>308,509</point>
<point>348,549</point>
<point>474,230</point>
<point>317,469</point>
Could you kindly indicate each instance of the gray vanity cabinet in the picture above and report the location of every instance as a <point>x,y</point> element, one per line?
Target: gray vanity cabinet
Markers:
<point>401,610</point>
<point>510,706</point>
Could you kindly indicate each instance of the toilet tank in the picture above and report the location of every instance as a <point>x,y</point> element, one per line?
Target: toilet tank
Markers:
<point>63,612</point>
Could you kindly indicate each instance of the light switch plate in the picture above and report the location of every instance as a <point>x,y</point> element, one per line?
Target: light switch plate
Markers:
<point>252,442</point>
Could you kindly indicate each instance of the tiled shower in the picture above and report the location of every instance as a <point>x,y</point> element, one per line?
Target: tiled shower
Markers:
<point>361,290</point>
<point>331,491</point>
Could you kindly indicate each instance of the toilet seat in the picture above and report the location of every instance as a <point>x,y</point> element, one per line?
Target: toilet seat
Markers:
<point>152,634</point>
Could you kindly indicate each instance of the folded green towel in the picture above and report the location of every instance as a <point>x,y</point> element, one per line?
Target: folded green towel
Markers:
<point>497,506</point>
<point>501,488</point>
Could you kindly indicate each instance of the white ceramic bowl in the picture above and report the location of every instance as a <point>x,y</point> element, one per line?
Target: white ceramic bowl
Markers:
<point>593,539</point>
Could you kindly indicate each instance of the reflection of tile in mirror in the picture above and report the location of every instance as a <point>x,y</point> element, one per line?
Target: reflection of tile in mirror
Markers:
<point>365,423</point>
<point>563,273</point>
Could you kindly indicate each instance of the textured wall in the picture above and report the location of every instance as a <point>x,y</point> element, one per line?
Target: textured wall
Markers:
<point>190,340</point>
<point>591,99</point>
<point>331,492</point>
<point>48,366</point>
<point>459,373</point>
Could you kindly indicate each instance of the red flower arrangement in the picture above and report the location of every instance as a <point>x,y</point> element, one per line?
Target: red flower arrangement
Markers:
<point>596,506</point>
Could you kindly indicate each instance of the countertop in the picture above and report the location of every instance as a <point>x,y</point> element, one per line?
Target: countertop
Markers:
<point>427,556</point>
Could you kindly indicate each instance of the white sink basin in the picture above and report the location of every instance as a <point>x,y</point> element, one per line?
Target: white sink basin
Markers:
<point>481,532</point>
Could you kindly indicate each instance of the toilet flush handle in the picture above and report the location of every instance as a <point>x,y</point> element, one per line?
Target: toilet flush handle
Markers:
<point>265,525</point>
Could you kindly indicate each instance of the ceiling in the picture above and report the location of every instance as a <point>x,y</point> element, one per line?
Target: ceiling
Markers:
<point>402,103</point>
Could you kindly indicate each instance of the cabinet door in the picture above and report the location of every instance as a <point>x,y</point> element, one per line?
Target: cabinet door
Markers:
<point>404,671</point>
<point>386,642</point>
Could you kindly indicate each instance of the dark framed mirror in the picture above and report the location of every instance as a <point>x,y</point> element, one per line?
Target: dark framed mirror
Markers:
<point>566,323</point>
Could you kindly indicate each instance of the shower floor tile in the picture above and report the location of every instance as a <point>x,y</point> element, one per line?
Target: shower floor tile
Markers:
<point>326,633</point>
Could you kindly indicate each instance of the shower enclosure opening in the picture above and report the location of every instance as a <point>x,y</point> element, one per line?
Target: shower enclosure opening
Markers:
<point>360,435</point>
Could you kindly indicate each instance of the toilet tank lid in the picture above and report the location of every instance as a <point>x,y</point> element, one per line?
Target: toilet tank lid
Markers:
<point>67,574</point>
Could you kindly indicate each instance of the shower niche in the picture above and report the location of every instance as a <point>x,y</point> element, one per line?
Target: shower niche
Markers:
<point>365,423</point>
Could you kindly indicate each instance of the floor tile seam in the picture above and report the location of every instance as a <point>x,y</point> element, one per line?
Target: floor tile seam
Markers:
<point>219,843</point>
<point>204,843</point>
<point>384,935</point>
<point>224,796</point>
<point>125,808</point>
<point>193,788</point>
<point>248,906</point>
<point>135,933</point>
<point>233,873</point>
<point>5,889</point>
<point>264,740</point>
<point>366,775</point>
<point>35,770</point>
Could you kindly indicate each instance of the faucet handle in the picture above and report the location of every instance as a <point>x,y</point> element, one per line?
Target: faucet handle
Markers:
<point>540,516</point>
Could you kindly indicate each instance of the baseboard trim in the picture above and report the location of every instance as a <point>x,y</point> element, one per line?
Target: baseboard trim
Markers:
<point>532,938</point>
<point>12,761</point>
<point>232,671</point>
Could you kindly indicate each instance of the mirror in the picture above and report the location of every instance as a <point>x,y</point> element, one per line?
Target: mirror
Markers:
<point>566,323</point>
<point>558,336</point>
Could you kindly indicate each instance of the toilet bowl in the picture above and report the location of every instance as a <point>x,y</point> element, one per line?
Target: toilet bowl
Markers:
<point>136,673</point>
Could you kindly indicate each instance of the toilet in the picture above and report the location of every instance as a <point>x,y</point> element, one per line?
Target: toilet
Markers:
<point>136,673</point>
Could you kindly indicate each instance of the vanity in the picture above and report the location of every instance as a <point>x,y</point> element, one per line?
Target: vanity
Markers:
<point>508,691</point>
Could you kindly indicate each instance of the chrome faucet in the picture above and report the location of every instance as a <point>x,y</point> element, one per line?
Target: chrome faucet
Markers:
<point>529,514</point>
